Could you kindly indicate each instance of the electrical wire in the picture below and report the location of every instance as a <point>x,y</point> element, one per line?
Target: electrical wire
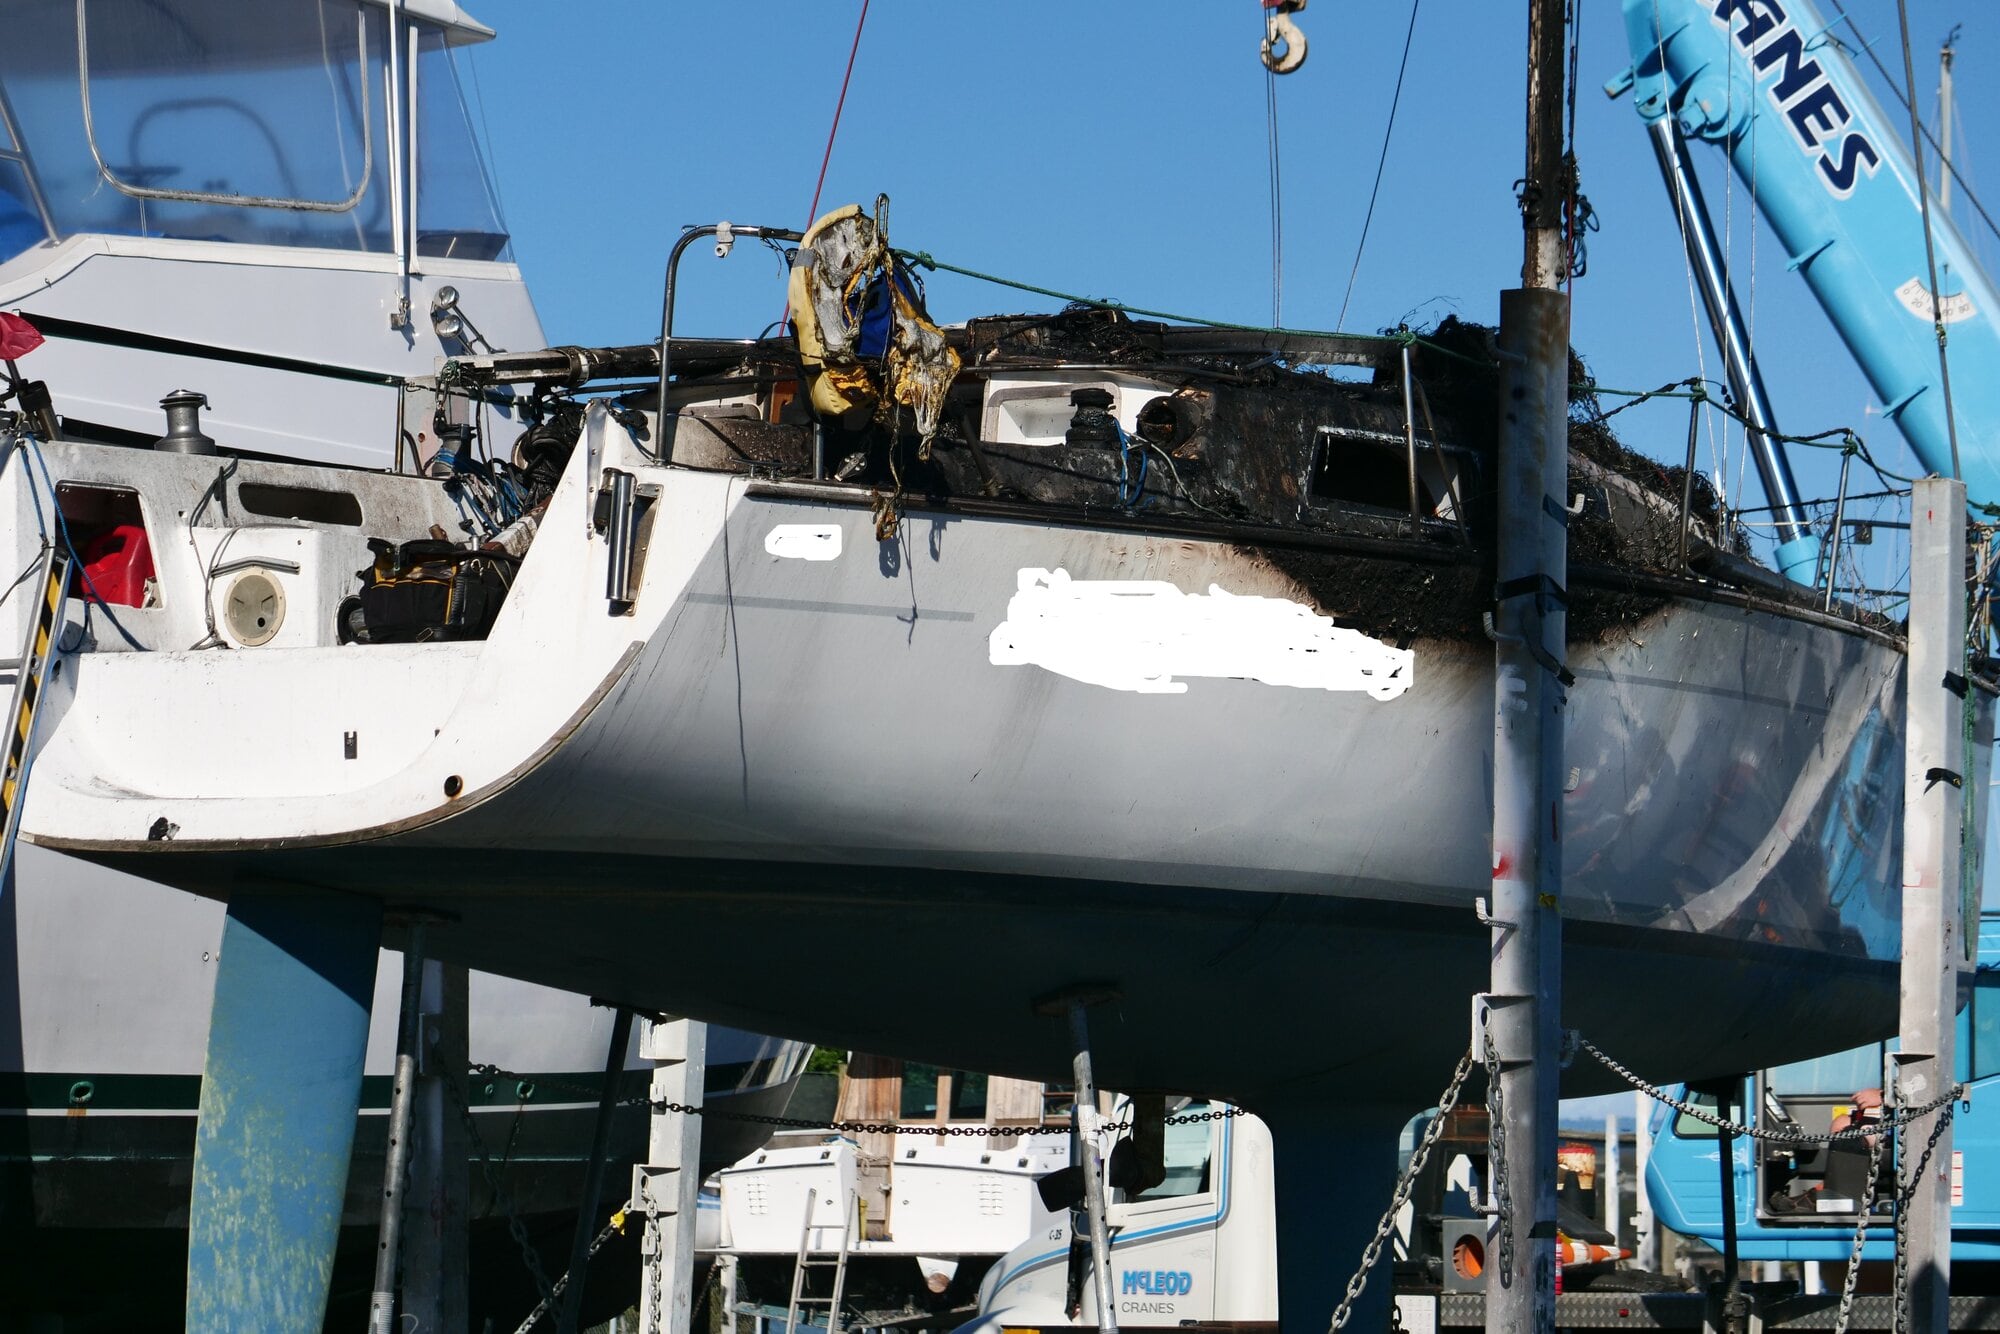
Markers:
<point>1368,218</point>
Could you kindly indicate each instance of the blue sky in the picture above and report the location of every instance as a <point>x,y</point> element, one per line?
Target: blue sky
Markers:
<point>1120,151</point>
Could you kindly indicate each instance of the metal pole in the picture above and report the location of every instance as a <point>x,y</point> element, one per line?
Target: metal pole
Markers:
<point>1529,621</point>
<point>395,1160</point>
<point>666,1188</point>
<point>593,1175</point>
<point>1733,1309</point>
<point>1084,1117</point>
<point>1934,925</point>
<point>1839,524</point>
<point>435,1295</point>
<point>1646,1238</point>
<point>664,450</point>
<point>1687,481</point>
<point>1725,321</point>
<point>1613,1193</point>
<point>1410,440</point>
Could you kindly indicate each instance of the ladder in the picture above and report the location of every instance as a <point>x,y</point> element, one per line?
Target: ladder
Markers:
<point>811,1257</point>
<point>31,674</point>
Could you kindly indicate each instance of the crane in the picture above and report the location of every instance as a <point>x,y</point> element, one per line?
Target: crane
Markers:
<point>1767,82</point>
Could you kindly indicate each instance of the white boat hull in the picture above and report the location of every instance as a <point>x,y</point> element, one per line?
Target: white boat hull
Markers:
<point>840,752</point>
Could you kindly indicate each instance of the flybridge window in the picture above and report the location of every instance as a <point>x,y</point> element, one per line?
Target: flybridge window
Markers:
<point>458,214</point>
<point>256,121</point>
<point>195,114</point>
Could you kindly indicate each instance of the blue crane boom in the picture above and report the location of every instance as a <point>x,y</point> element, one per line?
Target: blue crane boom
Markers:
<point>1766,81</point>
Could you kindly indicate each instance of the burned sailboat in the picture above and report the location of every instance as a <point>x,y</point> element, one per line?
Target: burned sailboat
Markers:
<point>1002,643</point>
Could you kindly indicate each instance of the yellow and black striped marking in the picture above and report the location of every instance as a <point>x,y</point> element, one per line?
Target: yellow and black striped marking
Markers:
<point>33,668</point>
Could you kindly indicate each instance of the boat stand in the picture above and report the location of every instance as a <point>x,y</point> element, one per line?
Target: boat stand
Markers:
<point>593,1175</point>
<point>1939,933</point>
<point>435,1287</point>
<point>1515,1024</point>
<point>396,1150</point>
<point>280,1091</point>
<point>665,1188</point>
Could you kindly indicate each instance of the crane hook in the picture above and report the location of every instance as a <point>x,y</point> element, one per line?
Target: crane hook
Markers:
<point>1284,46</point>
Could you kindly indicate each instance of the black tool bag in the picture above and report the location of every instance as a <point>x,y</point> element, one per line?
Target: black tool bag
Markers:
<point>426,590</point>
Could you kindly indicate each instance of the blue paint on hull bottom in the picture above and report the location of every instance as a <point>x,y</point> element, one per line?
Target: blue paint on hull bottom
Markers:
<point>280,1091</point>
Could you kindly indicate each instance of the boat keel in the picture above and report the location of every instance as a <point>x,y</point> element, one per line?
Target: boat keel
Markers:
<point>281,1087</point>
<point>1335,1170</point>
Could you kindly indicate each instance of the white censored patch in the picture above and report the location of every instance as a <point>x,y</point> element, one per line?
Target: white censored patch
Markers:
<point>1142,635</point>
<point>804,541</point>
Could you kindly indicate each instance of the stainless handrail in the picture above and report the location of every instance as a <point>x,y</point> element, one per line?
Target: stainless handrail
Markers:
<point>726,232</point>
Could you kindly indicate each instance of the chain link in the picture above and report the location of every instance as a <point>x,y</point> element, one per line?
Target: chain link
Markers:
<point>1384,1229</point>
<point>1906,1195</point>
<point>1496,1151</point>
<point>842,1127</point>
<point>547,1303</point>
<point>1899,1288</point>
<point>657,1320</point>
<point>495,1193</point>
<point>1902,1116</point>
<point>1848,1285</point>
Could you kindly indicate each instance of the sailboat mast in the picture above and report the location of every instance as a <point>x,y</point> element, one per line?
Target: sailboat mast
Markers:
<point>1544,265</point>
<point>1947,104</point>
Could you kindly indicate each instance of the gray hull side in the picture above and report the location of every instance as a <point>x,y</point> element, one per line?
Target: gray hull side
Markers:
<point>1279,880</point>
<point>1734,772</point>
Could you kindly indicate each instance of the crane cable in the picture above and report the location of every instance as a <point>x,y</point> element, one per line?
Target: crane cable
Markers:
<point>1368,218</point>
<point>1277,191</point>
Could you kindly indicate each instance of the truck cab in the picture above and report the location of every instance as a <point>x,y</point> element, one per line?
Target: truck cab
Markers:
<point>1803,1202</point>
<point>1198,1248</point>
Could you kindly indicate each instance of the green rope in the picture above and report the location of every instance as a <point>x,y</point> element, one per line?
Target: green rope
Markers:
<point>1399,338</point>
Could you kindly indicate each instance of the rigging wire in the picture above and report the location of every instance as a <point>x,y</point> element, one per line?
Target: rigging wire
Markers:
<point>831,131</point>
<point>1869,50</point>
<point>1930,241</point>
<point>1277,190</point>
<point>1388,131</point>
<point>838,107</point>
<point>1717,455</point>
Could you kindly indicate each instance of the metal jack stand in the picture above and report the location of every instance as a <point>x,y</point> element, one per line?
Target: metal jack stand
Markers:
<point>396,1157</point>
<point>1084,1149</point>
<point>435,1246</point>
<point>1936,942</point>
<point>666,1187</point>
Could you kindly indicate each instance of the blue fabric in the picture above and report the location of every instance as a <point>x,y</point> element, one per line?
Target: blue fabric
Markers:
<point>878,309</point>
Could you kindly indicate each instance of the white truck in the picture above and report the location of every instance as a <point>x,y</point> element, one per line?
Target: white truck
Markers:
<point>1199,1248</point>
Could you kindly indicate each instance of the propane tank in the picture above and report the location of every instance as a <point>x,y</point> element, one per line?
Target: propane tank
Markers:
<point>184,434</point>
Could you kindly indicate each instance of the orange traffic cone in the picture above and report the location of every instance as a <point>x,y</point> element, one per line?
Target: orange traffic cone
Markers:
<point>1570,1252</point>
